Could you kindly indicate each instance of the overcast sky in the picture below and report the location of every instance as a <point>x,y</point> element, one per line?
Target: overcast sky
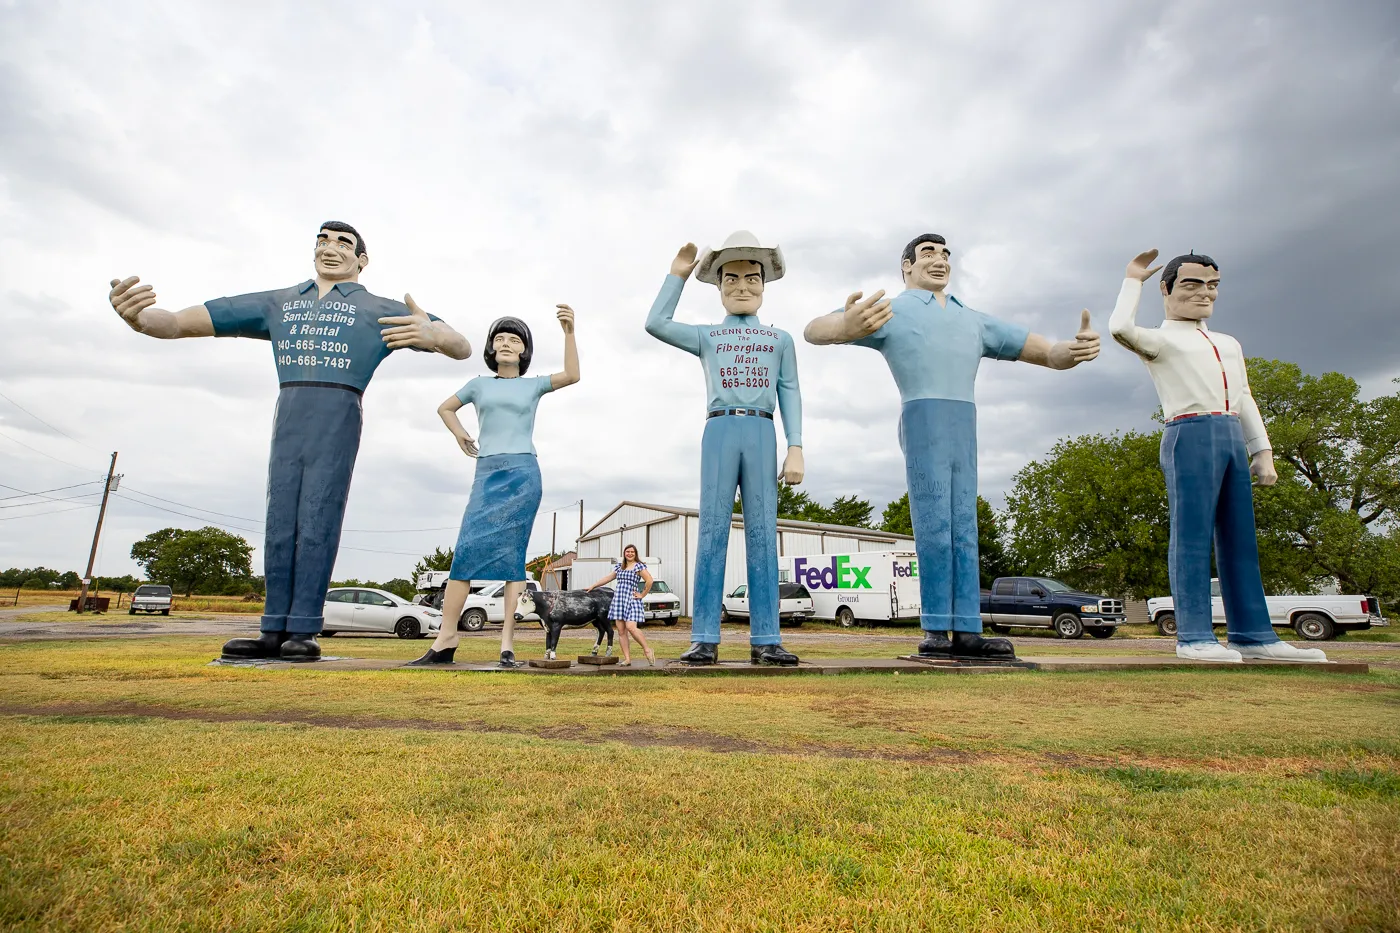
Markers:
<point>500,158</point>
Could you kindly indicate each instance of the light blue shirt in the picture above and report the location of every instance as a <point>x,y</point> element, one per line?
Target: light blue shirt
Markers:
<point>505,410</point>
<point>747,364</point>
<point>934,351</point>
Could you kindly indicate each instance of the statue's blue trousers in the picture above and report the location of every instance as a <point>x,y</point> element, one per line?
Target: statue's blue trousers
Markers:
<point>738,451</point>
<point>315,437</point>
<point>939,440</point>
<point>1210,496</point>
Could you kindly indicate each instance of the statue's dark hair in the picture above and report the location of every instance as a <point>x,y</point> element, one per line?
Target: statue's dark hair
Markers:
<point>509,325</point>
<point>342,227</point>
<point>762,269</point>
<point>912,248</point>
<point>1173,267</point>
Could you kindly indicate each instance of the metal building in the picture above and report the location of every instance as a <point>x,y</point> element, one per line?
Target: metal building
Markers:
<point>669,535</point>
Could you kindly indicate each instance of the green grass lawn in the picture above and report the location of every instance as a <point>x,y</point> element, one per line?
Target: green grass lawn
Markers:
<point>141,788</point>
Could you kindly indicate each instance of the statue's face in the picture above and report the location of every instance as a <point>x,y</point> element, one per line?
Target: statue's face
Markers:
<point>508,349</point>
<point>930,269</point>
<point>335,256</point>
<point>1193,293</point>
<point>741,287</point>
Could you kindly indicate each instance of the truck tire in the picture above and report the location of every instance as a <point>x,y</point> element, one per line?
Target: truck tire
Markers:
<point>1067,625</point>
<point>1166,624</point>
<point>408,627</point>
<point>1102,631</point>
<point>1313,626</point>
<point>671,621</point>
<point>723,612</point>
<point>131,612</point>
<point>165,612</point>
<point>1000,629</point>
<point>473,620</point>
<point>845,617</point>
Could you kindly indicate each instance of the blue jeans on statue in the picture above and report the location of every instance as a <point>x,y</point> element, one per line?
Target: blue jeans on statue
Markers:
<point>738,451</point>
<point>315,437</point>
<point>939,440</point>
<point>1210,496</point>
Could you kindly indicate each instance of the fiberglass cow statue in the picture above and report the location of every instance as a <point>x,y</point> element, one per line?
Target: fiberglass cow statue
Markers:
<point>561,609</point>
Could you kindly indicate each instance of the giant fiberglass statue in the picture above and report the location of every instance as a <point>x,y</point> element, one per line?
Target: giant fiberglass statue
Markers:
<point>506,490</point>
<point>750,370</point>
<point>1214,442</point>
<point>328,335</point>
<point>933,345</point>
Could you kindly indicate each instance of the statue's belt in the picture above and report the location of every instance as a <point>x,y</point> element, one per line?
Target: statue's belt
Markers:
<point>718,412</point>
<point>321,385</point>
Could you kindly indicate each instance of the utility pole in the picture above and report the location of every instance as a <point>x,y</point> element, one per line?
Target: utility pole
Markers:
<point>97,533</point>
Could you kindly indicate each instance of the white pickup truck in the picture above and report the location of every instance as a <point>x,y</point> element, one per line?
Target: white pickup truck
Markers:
<point>486,600</point>
<point>1315,618</point>
<point>151,597</point>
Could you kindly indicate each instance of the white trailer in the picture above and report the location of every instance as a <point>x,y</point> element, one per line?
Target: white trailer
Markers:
<point>871,586</point>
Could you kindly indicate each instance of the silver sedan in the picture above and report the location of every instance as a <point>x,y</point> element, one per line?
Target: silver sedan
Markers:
<point>360,609</point>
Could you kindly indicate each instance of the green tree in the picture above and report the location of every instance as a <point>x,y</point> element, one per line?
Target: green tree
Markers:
<point>1335,511</point>
<point>992,557</point>
<point>207,558</point>
<point>400,587</point>
<point>438,560</point>
<point>1094,513</point>
<point>849,510</point>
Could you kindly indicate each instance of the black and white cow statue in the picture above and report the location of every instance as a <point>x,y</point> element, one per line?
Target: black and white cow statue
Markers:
<point>561,609</point>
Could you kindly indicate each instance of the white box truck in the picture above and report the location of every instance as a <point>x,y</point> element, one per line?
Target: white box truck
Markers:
<point>871,586</point>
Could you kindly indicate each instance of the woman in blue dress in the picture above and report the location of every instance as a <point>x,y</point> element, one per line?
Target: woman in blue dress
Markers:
<point>506,492</point>
<point>633,583</point>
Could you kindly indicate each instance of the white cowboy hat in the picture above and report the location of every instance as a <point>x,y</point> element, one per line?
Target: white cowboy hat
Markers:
<point>741,245</point>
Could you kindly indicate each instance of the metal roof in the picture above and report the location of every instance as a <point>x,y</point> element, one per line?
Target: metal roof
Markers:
<point>787,524</point>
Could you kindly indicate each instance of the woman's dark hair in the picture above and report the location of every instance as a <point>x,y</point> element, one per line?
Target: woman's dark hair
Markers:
<point>339,226</point>
<point>622,561</point>
<point>509,325</point>
<point>1173,267</point>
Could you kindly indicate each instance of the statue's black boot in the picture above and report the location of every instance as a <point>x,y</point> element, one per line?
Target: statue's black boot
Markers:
<point>435,657</point>
<point>701,652</point>
<point>300,647</point>
<point>971,647</point>
<point>266,645</point>
<point>935,645</point>
<point>772,654</point>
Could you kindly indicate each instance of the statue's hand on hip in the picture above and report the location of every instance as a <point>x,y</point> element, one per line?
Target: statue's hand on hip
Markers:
<point>794,467</point>
<point>1261,467</point>
<point>468,445</point>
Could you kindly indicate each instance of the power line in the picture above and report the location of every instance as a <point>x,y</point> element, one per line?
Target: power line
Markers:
<point>15,518</point>
<point>23,494</point>
<point>25,505</point>
<point>50,456</point>
<point>45,423</point>
<point>186,505</point>
<point>198,518</point>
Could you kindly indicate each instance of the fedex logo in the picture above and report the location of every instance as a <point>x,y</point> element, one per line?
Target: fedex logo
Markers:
<point>836,575</point>
<point>911,571</point>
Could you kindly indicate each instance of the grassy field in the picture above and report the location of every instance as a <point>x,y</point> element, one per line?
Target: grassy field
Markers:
<point>142,789</point>
<point>200,604</point>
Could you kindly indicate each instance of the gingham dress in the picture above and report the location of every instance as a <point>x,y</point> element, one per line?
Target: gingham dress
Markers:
<point>624,608</point>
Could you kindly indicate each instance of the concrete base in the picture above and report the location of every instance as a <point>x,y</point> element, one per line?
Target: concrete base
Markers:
<point>898,665</point>
<point>550,664</point>
<point>260,662</point>
<point>597,659</point>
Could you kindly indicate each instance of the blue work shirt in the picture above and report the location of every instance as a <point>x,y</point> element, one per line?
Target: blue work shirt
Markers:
<point>747,364</point>
<point>332,339</point>
<point>934,351</point>
<point>505,411</point>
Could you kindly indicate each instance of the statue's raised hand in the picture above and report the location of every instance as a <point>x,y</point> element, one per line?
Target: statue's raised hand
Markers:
<point>1141,267</point>
<point>566,318</point>
<point>685,261</point>
<point>130,299</point>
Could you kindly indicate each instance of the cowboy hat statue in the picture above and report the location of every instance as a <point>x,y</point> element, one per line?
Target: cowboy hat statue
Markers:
<point>750,370</point>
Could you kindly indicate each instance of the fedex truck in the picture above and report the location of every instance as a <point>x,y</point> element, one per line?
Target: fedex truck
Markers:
<point>869,586</point>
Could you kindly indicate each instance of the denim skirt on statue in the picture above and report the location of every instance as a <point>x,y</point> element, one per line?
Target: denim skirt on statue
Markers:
<point>500,515</point>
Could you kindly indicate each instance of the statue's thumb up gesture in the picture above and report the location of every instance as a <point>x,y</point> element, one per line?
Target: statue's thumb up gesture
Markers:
<point>414,329</point>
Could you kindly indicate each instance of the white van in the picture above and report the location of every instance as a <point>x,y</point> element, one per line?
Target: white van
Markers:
<point>871,586</point>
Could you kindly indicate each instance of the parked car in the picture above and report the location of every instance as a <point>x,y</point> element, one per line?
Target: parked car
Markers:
<point>359,609</point>
<point>1315,618</point>
<point>1044,602</point>
<point>794,604</point>
<point>661,604</point>
<point>151,597</point>
<point>487,603</point>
